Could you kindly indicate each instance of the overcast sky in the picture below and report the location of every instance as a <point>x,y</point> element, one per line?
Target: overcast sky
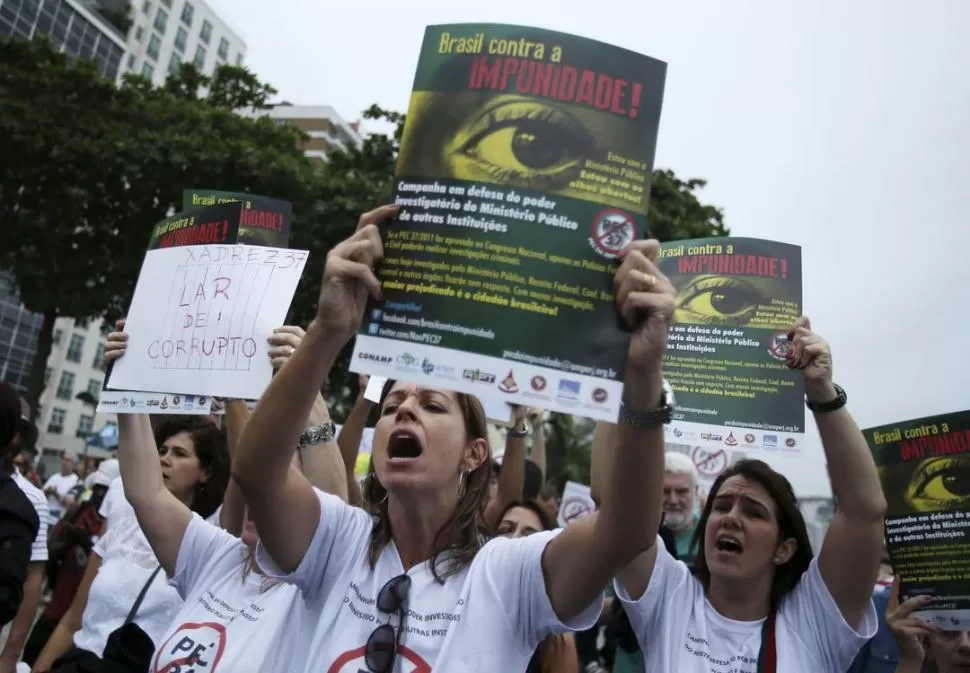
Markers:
<point>841,126</point>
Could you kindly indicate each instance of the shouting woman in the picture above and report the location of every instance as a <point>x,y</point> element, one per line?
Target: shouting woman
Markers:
<point>414,579</point>
<point>756,600</point>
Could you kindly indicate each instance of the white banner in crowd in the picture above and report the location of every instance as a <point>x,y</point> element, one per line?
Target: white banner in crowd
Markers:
<point>201,316</point>
<point>576,503</point>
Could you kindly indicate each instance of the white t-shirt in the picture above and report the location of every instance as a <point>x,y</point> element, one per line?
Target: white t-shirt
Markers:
<point>116,504</point>
<point>230,621</point>
<point>38,552</point>
<point>679,630</point>
<point>489,617</point>
<point>61,485</point>
<point>127,562</point>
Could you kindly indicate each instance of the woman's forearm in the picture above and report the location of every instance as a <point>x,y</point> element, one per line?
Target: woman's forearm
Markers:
<point>233,513</point>
<point>321,464</point>
<point>634,486</point>
<point>141,473</point>
<point>265,449</point>
<point>538,454</point>
<point>61,640</point>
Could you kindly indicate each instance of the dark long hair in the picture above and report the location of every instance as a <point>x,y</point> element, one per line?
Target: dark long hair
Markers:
<point>791,524</point>
<point>464,533</point>
<point>213,455</point>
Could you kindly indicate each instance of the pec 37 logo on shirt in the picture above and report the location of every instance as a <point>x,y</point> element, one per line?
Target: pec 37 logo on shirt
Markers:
<point>193,648</point>
<point>352,661</point>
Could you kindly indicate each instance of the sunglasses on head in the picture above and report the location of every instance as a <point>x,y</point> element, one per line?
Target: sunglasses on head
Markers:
<point>381,649</point>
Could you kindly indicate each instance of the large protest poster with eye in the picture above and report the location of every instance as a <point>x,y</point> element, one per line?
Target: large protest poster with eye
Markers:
<point>524,171</point>
<point>737,298</point>
<point>924,468</point>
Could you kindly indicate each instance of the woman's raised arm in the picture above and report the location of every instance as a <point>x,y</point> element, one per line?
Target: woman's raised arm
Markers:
<point>581,561</point>
<point>281,501</point>
<point>849,560</point>
<point>162,517</point>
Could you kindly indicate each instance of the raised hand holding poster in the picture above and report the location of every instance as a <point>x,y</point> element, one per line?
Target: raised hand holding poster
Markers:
<point>524,171</point>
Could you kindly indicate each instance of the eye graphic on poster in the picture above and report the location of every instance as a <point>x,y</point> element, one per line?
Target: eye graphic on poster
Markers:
<point>196,647</point>
<point>408,661</point>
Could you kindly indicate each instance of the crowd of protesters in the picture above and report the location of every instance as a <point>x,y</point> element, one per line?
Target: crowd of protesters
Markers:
<point>245,542</point>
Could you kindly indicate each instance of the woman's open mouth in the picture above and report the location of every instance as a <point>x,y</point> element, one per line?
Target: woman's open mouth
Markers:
<point>403,445</point>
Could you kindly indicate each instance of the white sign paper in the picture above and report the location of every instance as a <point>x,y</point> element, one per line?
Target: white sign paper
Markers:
<point>375,386</point>
<point>576,503</point>
<point>201,316</point>
<point>134,402</point>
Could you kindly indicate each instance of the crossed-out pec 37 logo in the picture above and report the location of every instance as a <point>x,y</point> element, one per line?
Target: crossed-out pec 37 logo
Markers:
<point>613,231</point>
<point>779,345</point>
<point>575,508</point>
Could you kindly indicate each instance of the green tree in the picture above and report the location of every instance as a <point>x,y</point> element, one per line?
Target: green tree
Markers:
<point>356,180</point>
<point>87,167</point>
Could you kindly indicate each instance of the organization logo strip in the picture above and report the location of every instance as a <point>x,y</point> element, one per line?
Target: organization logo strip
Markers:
<point>516,383</point>
<point>716,437</point>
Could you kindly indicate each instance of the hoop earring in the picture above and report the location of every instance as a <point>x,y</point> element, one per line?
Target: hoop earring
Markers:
<point>461,482</point>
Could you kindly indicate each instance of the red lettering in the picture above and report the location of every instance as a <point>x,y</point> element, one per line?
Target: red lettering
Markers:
<point>733,265</point>
<point>551,80</point>
<point>249,347</point>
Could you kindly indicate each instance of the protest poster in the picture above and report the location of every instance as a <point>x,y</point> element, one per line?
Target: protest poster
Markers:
<point>263,221</point>
<point>924,468</point>
<point>577,502</point>
<point>524,171</point>
<point>736,300</point>
<point>193,226</point>
<point>204,307</point>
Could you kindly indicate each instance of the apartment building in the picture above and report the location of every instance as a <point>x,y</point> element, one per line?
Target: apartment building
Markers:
<point>167,33</point>
<point>66,421</point>
<point>84,29</point>
<point>326,129</point>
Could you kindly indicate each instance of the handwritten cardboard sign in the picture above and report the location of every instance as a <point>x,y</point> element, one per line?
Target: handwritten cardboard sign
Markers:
<point>201,316</point>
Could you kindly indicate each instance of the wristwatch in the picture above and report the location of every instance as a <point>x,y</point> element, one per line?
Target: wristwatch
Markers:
<point>317,434</point>
<point>822,407</point>
<point>653,418</point>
